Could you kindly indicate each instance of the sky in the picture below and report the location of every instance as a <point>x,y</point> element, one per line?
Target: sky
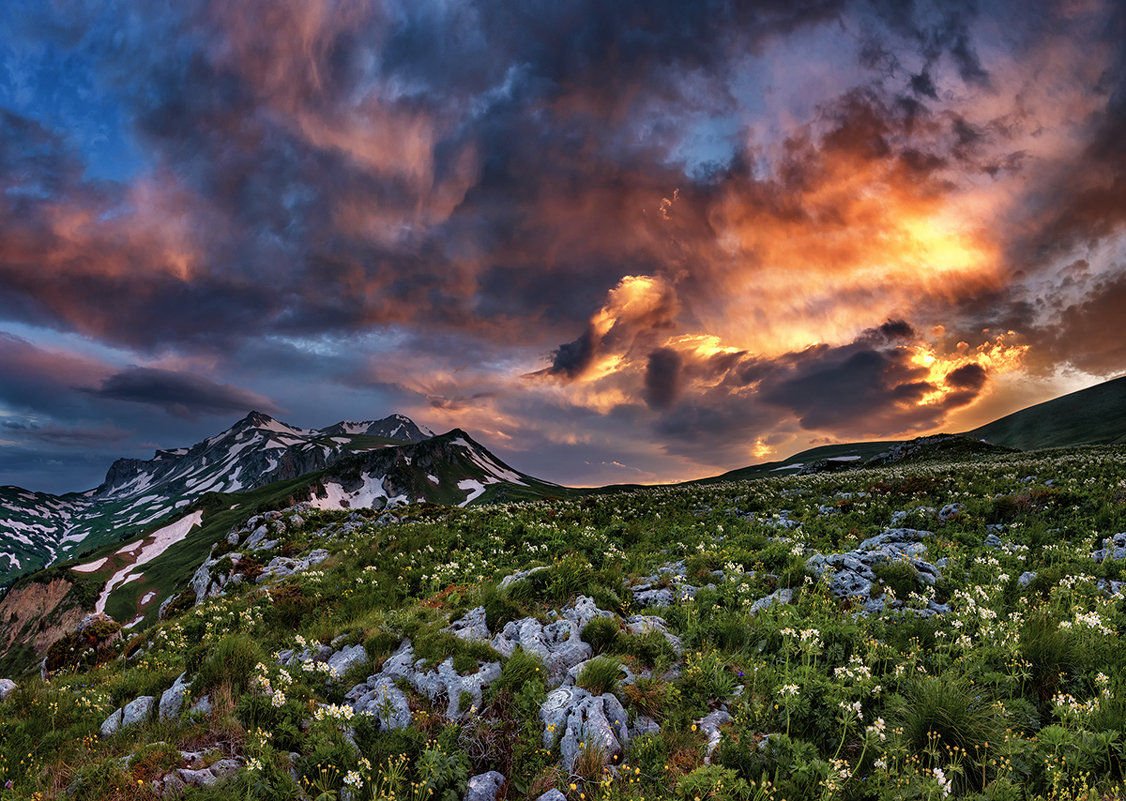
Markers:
<point>629,241</point>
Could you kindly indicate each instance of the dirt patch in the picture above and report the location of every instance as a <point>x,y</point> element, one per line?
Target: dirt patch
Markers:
<point>38,613</point>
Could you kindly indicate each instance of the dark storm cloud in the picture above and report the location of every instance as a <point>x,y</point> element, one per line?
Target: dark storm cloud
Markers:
<point>868,386</point>
<point>662,378</point>
<point>69,437</point>
<point>181,394</point>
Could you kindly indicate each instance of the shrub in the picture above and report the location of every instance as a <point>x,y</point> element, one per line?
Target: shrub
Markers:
<point>1051,652</point>
<point>600,633</point>
<point>900,577</point>
<point>949,715</point>
<point>521,668</point>
<point>600,675</point>
<point>231,663</point>
<point>712,782</point>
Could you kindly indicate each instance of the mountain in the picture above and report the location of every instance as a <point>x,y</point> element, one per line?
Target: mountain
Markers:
<point>38,529</point>
<point>1092,416</point>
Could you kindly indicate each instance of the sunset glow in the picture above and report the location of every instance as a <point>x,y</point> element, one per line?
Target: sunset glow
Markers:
<point>617,241</point>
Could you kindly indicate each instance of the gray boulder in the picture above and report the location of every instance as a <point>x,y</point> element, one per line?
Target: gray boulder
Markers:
<point>575,716</point>
<point>380,698</point>
<point>950,511</point>
<point>519,575</point>
<point>7,687</point>
<point>112,723</point>
<point>558,644</point>
<point>484,787</point>
<point>1026,578</point>
<point>583,610</point>
<point>709,725</point>
<point>472,626</point>
<point>347,658</point>
<point>282,566</point>
<point>202,705</point>
<point>172,699</point>
<point>1113,548</point>
<point>138,711</point>
<point>782,596</point>
<point>442,682</point>
<point>552,795</point>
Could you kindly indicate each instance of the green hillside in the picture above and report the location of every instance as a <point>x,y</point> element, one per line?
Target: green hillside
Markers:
<point>1092,416</point>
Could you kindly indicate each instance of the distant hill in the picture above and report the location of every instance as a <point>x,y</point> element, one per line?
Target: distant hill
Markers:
<point>1092,416</point>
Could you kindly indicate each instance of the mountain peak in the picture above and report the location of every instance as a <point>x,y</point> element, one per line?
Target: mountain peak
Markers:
<point>255,419</point>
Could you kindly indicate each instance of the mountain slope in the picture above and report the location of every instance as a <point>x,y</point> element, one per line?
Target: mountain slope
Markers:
<point>1092,416</point>
<point>37,529</point>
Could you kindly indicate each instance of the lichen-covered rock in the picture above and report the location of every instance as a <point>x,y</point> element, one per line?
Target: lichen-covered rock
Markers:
<point>576,716</point>
<point>583,610</point>
<point>558,644</point>
<point>347,658</point>
<point>282,566</point>
<point>112,723</point>
<point>709,725</point>
<point>1113,548</point>
<point>950,511</point>
<point>484,787</point>
<point>380,698</point>
<point>851,574</point>
<point>519,575</point>
<point>172,699</point>
<point>137,711</point>
<point>442,682</point>
<point>471,626</point>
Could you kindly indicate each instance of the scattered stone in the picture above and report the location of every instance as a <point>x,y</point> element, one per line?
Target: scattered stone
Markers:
<point>519,575</point>
<point>628,676</point>
<point>112,723</point>
<point>380,698</point>
<point>709,725</point>
<point>558,644</point>
<point>1113,548</point>
<point>645,725</point>
<point>1027,577</point>
<point>552,795</point>
<point>583,610</point>
<point>993,541</point>
<point>782,596</point>
<point>282,566</point>
<point>436,683</point>
<point>643,624</point>
<point>472,626</point>
<point>576,716</point>
<point>851,574</point>
<point>7,687</point>
<point>137,711</point>
<point>347,658</point>
<point>950,511</point>
<point>172,699</point>
<point>202,705</point>
<point>484,787</point>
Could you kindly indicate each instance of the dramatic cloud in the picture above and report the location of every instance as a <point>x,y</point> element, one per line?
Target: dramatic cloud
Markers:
<point>181,394</point>
<point>680,235</point>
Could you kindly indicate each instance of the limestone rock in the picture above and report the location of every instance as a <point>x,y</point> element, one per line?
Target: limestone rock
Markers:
<point>7,687</point>
<point>112,723</point>
<point>484,787</point>
<point>558,644</point>
<point>172,699</point>
<point>137,711</point>
<point>576,716</point>
<point>347,658</point>
<point>472,626</point>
